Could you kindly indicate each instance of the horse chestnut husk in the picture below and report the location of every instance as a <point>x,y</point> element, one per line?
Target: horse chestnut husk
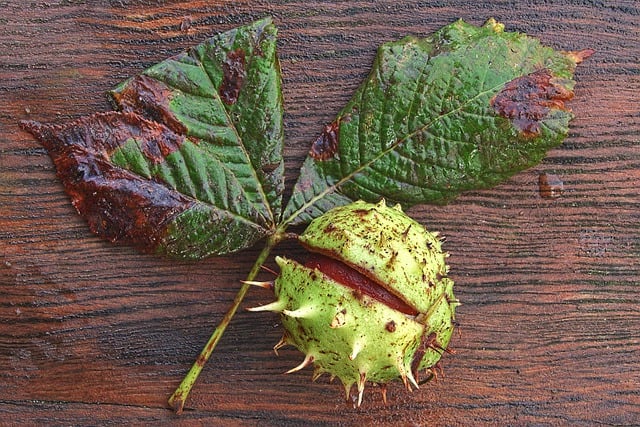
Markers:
<point>372,302</point>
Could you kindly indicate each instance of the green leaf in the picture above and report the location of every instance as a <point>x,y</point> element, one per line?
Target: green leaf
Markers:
<point>192,164</point>
<point>226,92</point>
<point>462,109</point>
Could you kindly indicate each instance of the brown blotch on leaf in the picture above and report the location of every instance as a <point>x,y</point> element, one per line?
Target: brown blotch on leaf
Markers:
<point>326,145</point>
<point>550,186</point>
<point>118,204</point>
<point>101,134</point>
<point>527,100</point>
<point>234,73</point>
<point>149,97</point>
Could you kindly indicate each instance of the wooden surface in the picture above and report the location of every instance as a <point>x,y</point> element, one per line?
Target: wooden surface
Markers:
<point>92,333</point>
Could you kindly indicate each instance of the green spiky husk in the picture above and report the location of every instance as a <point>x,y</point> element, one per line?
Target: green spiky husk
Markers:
<point>353,336</point>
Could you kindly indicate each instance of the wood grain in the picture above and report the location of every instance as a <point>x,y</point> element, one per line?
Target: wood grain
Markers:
<point>92,333</point>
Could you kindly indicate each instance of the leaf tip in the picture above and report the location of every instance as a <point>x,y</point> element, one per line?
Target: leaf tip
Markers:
<point>495,26</point>
<point>31,126</point>
<point>41,131</point>
<point>267,20</point>
<point>578,56</point>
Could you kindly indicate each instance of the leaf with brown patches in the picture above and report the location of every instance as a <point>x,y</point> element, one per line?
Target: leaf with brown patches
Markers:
<point>192,164</point>
<point>463,109</point>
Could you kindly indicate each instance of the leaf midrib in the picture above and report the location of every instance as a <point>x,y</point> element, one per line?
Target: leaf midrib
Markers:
<point>99,156</point>
<point>263,196</point>
<point>383,153</point>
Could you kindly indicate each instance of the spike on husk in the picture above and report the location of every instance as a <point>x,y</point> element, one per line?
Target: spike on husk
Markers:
<point>301,312</point>
<point>361,383</point>
<point>264,285</point>
<point>357,347</point>
<point>276,306</point>
<point>308,360</point>
<point>283,341</point>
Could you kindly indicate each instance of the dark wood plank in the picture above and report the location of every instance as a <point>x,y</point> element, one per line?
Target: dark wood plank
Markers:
<point>92,333</point>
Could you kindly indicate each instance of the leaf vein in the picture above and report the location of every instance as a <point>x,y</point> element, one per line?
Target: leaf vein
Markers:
<point>362,167</point>
<point>241,146</point>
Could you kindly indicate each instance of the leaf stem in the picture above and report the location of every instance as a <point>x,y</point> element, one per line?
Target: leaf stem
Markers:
<point>179,396</point>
